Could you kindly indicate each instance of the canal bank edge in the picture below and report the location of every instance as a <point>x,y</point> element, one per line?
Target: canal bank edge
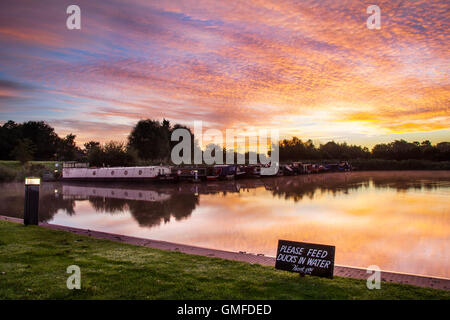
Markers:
<point>340,271</point>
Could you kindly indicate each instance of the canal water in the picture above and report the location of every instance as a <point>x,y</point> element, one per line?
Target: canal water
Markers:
<point>397,220</point>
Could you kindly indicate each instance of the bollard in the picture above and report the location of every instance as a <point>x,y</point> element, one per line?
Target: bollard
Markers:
<point>31,209</point>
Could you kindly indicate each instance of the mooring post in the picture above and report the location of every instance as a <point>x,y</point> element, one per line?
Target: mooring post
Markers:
<point>31,208</point>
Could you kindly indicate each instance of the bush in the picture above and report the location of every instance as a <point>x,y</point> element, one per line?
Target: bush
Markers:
<point>114,154</point>
<point>30,170</point>
<point>7,174</point>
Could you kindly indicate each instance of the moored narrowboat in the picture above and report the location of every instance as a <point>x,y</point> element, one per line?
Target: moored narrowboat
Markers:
<point>116,173</point>
<point>226,171</point>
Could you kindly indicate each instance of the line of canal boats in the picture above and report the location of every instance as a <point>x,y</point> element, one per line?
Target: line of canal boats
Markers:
<point>197,173</point>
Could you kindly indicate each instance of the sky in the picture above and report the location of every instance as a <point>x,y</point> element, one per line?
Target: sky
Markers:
<point>307,68</point>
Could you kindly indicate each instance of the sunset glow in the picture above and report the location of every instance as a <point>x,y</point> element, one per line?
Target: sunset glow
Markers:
<point>309,68</point>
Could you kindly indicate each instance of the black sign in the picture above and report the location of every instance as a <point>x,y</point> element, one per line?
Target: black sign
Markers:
<point>305,258</point>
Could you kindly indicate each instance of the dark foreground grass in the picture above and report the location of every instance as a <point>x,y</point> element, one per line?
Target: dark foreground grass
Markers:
<point>33,262</point>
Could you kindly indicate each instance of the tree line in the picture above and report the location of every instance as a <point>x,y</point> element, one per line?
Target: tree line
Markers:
<point>296,149</point>
<point>150,142</point>
<point>35,140</point>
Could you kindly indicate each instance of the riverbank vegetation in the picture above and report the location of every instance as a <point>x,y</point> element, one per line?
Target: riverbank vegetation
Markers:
<point>33,263</point>
<point>149,143</point>
<point>16,171</point>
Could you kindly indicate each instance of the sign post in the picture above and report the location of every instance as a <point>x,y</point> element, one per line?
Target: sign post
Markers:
<point>305,258</point>
<point>31,208</point>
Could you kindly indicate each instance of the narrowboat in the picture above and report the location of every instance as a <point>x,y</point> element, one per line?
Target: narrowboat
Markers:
<point>190,173</point>
<point>344,166</point>
<point>297,167</point>
<point>225,171</point>
<point>256,172</point>
<point>287,170</point>
<point>307,168</point>
<point>116,173</point>
<point>212,173</point>
<point>240,172</point>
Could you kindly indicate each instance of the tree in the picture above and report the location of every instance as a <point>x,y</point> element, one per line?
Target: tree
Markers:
<point>43,137</point>
<point>427,150</point>
<point>342,151</point>
<point>115,154</point>
<point>95,155</point>
<point>111,154</point>
<point>91,145</point>
<point>381,151</point>
<point>151,139</point>
<point>296,149</point>
<point>443,149</point>
<point>10,134</point>
<point>24,151</point>
<point>67,148</point>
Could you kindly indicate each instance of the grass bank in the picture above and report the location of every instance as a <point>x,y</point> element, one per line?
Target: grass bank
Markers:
<point>33,262</point>
<point>16,171</point>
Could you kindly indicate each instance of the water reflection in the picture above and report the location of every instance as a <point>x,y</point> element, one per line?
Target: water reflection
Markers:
<point>160,202</point>
<point>397,220</point>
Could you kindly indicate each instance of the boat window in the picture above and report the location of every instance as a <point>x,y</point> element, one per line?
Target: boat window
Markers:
<point>125,172</point>
<point>94,173</point>
<point>112,172</point>
<point>140,172</point>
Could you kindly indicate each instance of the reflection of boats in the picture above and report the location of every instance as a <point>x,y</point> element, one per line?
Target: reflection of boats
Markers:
<point>116,193</point>
<point>183,196</point>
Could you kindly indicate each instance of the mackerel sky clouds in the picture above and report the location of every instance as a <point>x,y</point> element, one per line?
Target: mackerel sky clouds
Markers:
<point>310,68</point>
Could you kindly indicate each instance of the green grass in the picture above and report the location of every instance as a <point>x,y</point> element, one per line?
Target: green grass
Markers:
<point>33,262</point>
<point>16,165</point>
<point>16,171</point>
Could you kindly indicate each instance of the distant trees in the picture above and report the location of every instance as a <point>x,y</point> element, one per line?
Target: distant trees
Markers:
<point>67,148</point>
<point>43,138</point>
<point>343,151</point>
<point>443,151</point>
<point>150,140</point>
<point>35,140</point>
<point>403,150</point>
<point>296,149</point>
<point>24,150</point>
<point>112,153</point>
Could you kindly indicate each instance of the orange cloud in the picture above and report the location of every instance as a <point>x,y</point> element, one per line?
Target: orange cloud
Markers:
<point>234,64</point>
